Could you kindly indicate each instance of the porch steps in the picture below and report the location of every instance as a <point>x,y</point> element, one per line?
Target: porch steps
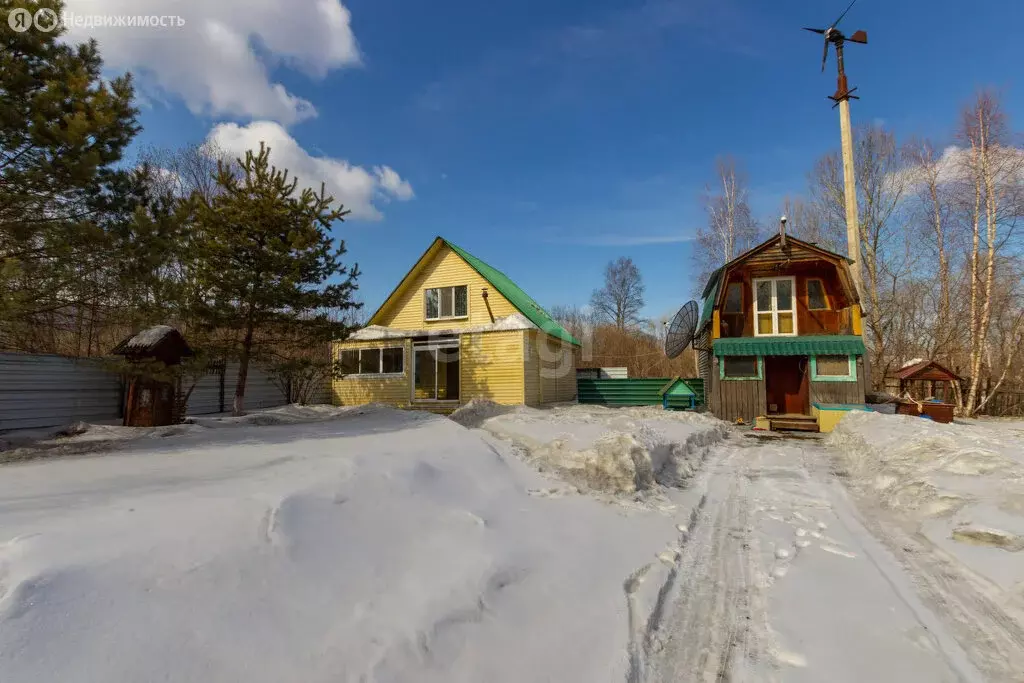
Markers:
<point>793,423</point>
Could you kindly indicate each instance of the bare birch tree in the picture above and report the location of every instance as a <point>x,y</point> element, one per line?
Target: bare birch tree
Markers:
<point>995,169</point>
<point>731,227</point>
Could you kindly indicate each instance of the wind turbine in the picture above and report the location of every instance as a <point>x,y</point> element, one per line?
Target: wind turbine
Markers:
<point>842,97</point>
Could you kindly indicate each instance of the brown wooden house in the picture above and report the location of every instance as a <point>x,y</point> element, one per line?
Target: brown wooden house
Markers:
<point>781,333</point>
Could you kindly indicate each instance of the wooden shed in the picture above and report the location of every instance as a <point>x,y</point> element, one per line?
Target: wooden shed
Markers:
<point>151,396</point>
<point>926,388</point>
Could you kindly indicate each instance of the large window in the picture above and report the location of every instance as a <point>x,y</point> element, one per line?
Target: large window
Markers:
<point>386,361</point>
<point>734,298</point>
<point>446,302</point>
<point>816,299</point>
<point>741,367</point>
<point>775,306</point>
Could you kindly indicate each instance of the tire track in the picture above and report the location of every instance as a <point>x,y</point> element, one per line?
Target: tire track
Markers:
<point>712,629</point>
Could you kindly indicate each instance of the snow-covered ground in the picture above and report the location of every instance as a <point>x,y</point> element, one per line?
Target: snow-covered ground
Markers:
<point>569,544</point>
<point>378,546</point>
<point>949,500</point>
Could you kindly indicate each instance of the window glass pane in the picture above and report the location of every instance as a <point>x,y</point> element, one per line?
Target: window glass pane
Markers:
<point>446,302</point>
<point>369,361</point>
<point>740,366</point>
<point>833,366</point>
<point>785,323</point>
<point>816,300</point>
<point>784,295</point>
<point>734,298</point>
<point>432,308</point>
<point>392,359</point>
<point>764,323</point>
<point>764,296</point>
<point>349,361</point>
<point>461,301</point>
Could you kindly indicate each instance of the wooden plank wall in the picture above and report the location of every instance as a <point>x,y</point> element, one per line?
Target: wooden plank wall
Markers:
<point>841,392</point>
<point>731,399</point>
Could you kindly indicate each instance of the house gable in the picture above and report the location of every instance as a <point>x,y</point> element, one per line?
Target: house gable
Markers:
<point>775,258</point>
<point>440,266</point>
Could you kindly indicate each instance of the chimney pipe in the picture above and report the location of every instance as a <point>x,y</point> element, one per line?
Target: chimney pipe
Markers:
<point>782,232</point>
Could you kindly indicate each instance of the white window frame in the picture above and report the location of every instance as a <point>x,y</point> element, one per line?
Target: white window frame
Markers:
<point>359,359</point>
<point>445,317</point>
<point>775,306</point>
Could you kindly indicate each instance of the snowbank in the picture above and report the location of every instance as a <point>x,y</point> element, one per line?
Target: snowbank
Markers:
<point>82,438</point>
<point>608,450</point>
<point>393,546</point>
<point>961,485</point>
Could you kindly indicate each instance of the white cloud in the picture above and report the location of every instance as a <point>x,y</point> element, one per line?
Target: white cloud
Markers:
<point>954,165</point>
<point>392,183</point>
<point>354,186</point>
<point>219,61</point>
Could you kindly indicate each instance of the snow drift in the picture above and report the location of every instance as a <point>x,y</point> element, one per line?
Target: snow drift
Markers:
<point>392,546</point>
<point>961,485</point>
<point>617,451</point>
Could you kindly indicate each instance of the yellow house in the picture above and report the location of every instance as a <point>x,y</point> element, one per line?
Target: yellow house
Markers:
<point>456,329</point>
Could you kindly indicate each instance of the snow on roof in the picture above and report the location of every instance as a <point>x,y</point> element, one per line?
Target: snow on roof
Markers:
<point>516,321</point>
<point>915,361</point>
<point>149,337</point>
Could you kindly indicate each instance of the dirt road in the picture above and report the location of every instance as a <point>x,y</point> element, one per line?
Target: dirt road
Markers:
<point>779,580</point>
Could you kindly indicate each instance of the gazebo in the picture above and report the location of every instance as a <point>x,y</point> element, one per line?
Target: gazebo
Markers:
<point>151,400</point>
<point>926,388</point>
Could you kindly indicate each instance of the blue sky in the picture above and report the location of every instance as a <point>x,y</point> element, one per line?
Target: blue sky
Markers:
<point>548,138</point>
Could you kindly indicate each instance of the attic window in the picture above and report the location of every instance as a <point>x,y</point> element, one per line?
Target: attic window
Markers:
<point>441,303</point>
<point>816,299</point>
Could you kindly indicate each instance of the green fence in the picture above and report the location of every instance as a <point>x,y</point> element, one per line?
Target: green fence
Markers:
<point>631,392</point>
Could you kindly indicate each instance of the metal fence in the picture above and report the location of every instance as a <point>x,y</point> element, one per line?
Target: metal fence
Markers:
<point>630,392</point>
<point>39,391</point>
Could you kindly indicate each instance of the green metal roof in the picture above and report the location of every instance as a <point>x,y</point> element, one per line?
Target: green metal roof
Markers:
<point>516,296</point>
<point>840,344</point>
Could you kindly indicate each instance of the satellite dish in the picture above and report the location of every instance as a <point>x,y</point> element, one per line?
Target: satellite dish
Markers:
<point>681,329</point>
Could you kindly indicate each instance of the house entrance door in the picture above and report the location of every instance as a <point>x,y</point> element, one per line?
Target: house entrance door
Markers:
<point>435,370</point>
<point>787,388</point>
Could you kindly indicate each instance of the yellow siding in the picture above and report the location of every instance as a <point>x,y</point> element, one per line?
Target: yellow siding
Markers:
<point>353,390</point>
<point>446,269</point>
<point>531,360</point>
<point>492,366</point>
<point>557,370</point>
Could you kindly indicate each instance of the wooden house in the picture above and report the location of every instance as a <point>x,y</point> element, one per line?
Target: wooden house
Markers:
<point>780,330</point>
<point>456,329</point>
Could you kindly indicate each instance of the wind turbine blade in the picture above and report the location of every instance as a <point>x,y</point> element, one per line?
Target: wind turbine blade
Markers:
<point>836,22</point>
<point>824,57</point>
<point>815,30</point>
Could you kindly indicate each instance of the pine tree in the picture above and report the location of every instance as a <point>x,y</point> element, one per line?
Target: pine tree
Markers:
<point>62,127</point>
<point>266,266</point>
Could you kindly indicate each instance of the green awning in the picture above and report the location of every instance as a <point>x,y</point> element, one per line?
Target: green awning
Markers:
<point>817,345</point>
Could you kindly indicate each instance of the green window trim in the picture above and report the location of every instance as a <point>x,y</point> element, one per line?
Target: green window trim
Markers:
<point>721,370</point>
<point>852,377</point>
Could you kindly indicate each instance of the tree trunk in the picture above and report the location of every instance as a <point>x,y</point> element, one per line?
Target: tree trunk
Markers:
<point>237,406</point>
